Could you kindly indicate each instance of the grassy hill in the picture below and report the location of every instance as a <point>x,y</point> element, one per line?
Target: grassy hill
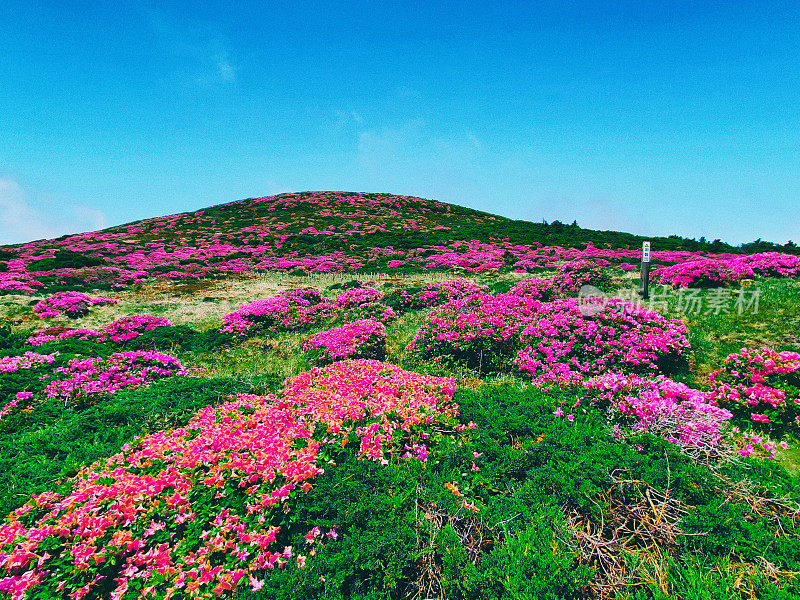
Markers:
<point>193,432</point>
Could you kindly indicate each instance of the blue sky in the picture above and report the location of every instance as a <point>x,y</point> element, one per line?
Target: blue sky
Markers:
<point>654,118</point>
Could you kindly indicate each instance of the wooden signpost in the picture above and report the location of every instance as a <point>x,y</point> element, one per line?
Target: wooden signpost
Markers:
<point>644,276</point>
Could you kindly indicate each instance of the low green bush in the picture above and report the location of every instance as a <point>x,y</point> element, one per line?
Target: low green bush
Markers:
<point>178,336</point>
<point>54,441</point>
<point>398,524</point>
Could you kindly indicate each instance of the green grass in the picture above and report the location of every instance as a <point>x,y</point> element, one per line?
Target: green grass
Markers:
<point>534,470</point>
<point>54,441</point>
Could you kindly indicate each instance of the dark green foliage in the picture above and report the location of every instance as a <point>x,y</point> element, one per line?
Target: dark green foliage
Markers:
<point>53,440</point>
<point>9,338</point>
<point>178,336</point>
<point>534,466</point>
<point>66,259</point>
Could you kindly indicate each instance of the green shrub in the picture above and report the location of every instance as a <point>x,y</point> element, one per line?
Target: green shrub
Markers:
<point>66,259</point>
<point>178,336</point>
<point>53,441</point>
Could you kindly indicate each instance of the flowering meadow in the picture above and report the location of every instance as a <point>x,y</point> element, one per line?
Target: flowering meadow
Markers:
<point>140,523</point>
<point>335,395</point>
<point>330,232</point>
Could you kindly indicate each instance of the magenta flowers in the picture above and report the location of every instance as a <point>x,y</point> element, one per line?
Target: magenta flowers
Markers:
<point>296,309</point>
<point>72,304</point>
<point>761,386</point>
<point>132,326</point>
<point>140,523</point>
<point>91,378</point>
<point>564,344</point>
<point>119,331</point>
<point>359,339</point>
<point>480,331</point>
<point>660,406</point>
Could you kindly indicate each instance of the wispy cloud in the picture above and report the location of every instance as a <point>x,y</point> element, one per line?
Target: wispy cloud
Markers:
<point>26,216</point>
<point>413,145</point>
<point>200,49</point>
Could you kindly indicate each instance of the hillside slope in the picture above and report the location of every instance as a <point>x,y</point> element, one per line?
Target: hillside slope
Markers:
<point>317,232</point>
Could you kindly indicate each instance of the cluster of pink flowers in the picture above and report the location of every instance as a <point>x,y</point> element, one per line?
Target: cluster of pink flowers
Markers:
<point>132,326</point>
<point>556,342</point>
<point>565,343</point>
<point>91,378</point>
<point>374,311</point>
<point>304,308</point>
<point>437,294</point>
<point>359,339</point>
<point>660,406</point>
<point>28,360</point>
<point>119,331</point>
<point>54,334</point>
<point>573,274</point>
<point>772,264</point>
<point>728,269</point>
<point>480,331</point>
<point>703,273</point>
<point>762,386</point>
<point>19,397</point>
<point>755,445</point>
<point>538,289</point>
<point>295,309</point>
<point>132,523</point>
<point>357,296</point>
<point>72,304</point>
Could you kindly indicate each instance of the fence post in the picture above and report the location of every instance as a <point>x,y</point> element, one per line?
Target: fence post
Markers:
<point>644,275</point>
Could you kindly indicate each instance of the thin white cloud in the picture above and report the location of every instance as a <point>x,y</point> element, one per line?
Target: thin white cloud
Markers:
<point>201,51</point>
<point>225,71</point>
<point>25,217</point>
<point>18,221</point>
<point>413,146</point>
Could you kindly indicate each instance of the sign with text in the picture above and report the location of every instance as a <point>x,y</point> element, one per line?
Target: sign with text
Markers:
<point>646,252</point>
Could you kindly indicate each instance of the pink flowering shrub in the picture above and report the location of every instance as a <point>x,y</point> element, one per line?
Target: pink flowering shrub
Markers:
<point>301,317</point>
<point>374,311</point>
<point>538,289</point>
<point>53,334</point>
<point>155,519</point>
<point>761,388</point>
<point>28,360</point>
<point>772,264</point>
<point>703,273</point>
<point>359,339</point>
<point>660,406</point>
<point>295,309</point>
<point>571,275</point>
<point>357,296</point>
<point>563,345</point>
<point>72,304</point>
<point>480,332</point>
<point>435,294</point>
<point>88,379</point>
<point>303,296</point>
<point>129,327</point>
<point>755,445</point>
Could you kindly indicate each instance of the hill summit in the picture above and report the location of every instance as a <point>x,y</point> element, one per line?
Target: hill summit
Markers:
<point>311,232</point>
